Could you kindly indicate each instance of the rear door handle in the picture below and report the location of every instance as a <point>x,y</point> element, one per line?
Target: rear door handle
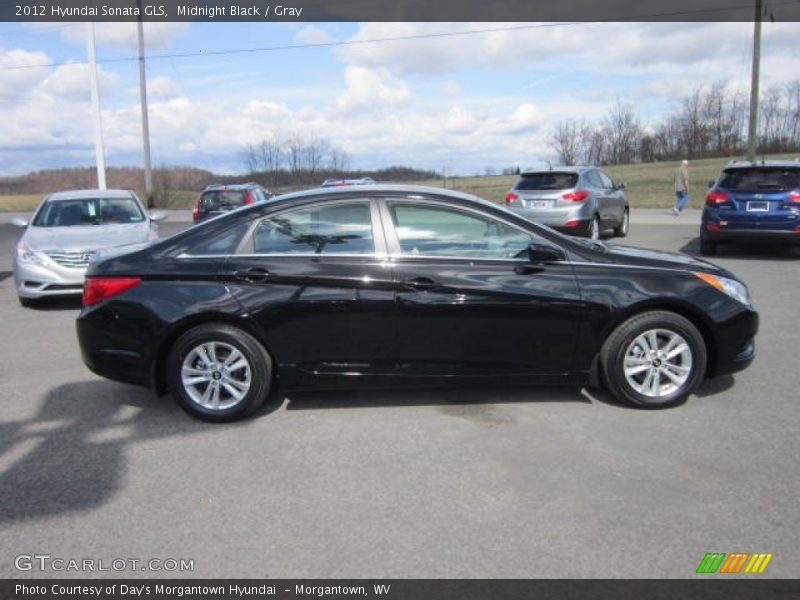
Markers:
<point>420,284</point>
<point>252,275</point>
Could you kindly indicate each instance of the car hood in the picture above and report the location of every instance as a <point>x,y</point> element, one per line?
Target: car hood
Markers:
<point>645,257</point>
<point>86,238</point>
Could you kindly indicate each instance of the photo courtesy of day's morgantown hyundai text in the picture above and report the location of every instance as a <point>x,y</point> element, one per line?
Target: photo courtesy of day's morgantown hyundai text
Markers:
<point>380,285</point>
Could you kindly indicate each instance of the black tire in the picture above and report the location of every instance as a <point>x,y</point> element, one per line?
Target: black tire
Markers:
<point>27,302</point>
<point>621,230</point>
<point>594,225</point>
<point>623,338</point>
<point>707,247</point>
<point>225,336</point>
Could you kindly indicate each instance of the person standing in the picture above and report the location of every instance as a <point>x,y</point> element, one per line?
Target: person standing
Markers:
<point>681,187</point>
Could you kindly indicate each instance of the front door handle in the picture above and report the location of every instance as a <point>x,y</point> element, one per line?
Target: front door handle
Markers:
<point>252,275</point>
<point>420,284</point>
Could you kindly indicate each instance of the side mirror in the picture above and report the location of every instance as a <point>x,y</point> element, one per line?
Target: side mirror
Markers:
<point>711,183</point>
<point>539,252</point>
<point>621,185</point>
<point>19,222</point>
<point>158,215</point>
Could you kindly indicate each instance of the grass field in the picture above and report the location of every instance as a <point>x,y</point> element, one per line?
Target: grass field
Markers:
<point>649,185</point>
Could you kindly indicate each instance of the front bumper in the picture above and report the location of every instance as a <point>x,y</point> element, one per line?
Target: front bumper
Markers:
<point>735,348</point>
<point>43,281</point>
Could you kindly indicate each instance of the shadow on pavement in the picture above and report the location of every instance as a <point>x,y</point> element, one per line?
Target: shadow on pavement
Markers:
<point>57,303</point>
<point>70,457</point>
<point>483,395</point>
<point>745,250</point>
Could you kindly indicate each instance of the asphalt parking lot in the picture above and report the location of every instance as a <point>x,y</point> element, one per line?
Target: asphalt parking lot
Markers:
<point>474,483</point>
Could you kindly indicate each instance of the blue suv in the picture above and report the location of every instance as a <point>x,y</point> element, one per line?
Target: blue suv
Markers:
<point>752,201</point>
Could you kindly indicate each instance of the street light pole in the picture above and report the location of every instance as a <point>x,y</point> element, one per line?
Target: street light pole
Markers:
<point>752,133</point>
<point>98,122</point>
<point>148,170</point>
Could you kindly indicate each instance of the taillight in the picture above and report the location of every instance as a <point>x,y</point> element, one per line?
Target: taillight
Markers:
<point>714,197</point>
<point>196,207</point>
<point>97,289</point>
<point>511,197</point>
<point>576,196</point>
<point>572,223</point>
<point>713,227</point>
<point>248,198</point>
<point>794,197</point>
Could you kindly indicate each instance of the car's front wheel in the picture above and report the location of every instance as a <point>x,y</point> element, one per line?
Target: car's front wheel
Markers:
<point>593,231</point>
<point>218,372</point>
<point>621,230</point>
<point>654,360</point>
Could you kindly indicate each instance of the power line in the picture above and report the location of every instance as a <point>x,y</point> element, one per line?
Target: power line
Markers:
<point>419,36</point>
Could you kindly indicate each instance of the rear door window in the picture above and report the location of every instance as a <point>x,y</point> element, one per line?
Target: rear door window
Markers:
<point>547,181</point>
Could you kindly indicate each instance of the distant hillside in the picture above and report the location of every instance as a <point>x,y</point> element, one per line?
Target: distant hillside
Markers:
<point>176,178</point>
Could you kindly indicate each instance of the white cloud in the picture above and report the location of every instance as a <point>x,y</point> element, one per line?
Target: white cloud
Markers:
<point>311,34</point>
<point>162,87</point>
<point>370,89</point>
<point>17,79</point>
<point>71,82</point>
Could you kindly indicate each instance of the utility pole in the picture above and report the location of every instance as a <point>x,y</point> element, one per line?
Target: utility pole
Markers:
<point>98,122</point>
<point>752,133</point>
<point>148,169</point>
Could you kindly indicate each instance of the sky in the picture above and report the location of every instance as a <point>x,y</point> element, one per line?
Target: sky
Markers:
<point>486,97</point>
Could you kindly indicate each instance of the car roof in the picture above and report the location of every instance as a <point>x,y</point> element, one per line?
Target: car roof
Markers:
<point>746,164</point>
<point>381,188</point>
<point>80,194</point>
<point>577,169</point>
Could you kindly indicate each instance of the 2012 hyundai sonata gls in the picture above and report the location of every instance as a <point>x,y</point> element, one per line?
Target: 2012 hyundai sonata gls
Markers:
<point>387,285</point>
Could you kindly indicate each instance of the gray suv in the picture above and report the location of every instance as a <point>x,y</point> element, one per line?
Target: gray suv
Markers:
<point>574,200</point>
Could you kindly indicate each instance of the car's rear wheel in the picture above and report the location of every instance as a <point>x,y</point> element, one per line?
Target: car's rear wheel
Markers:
<point>621,230</point>
<point>593,232</point>
<point>654,360</point>
<point>707,247</point>
<point>218,372</point>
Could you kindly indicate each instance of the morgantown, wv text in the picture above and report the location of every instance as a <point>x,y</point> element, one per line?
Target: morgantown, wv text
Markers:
<point>208,591</point>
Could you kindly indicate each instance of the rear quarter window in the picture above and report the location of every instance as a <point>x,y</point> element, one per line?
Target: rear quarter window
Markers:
<point>223,243</point>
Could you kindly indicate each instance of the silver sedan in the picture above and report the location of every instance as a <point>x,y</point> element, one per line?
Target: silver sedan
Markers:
<point>66,229</point>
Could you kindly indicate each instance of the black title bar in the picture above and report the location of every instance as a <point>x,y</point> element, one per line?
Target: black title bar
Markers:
<point>395,10</point>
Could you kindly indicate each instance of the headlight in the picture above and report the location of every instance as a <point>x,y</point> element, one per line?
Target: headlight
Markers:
<point>735,289</point>
<point>26,255</point>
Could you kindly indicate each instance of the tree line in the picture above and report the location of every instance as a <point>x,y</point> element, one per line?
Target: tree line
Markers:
<point>298,160</point>
<point>709,122</point>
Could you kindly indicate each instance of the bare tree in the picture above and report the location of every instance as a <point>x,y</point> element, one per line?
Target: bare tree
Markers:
<point>566,141</point>
<point>622,131</point>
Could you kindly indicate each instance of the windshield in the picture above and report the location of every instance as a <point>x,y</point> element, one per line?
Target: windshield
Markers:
<point>765,178</point>
<point>88,211</point>
<point>547,181</point>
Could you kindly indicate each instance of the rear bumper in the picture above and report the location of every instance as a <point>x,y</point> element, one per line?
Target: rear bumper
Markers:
<point>105,354</point>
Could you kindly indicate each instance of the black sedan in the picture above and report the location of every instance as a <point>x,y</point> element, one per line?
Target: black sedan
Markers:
<point>402,285</point>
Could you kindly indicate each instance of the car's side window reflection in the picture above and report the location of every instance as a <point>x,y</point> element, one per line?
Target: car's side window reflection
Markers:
<point>429,230</point>
<point>340,228</point>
